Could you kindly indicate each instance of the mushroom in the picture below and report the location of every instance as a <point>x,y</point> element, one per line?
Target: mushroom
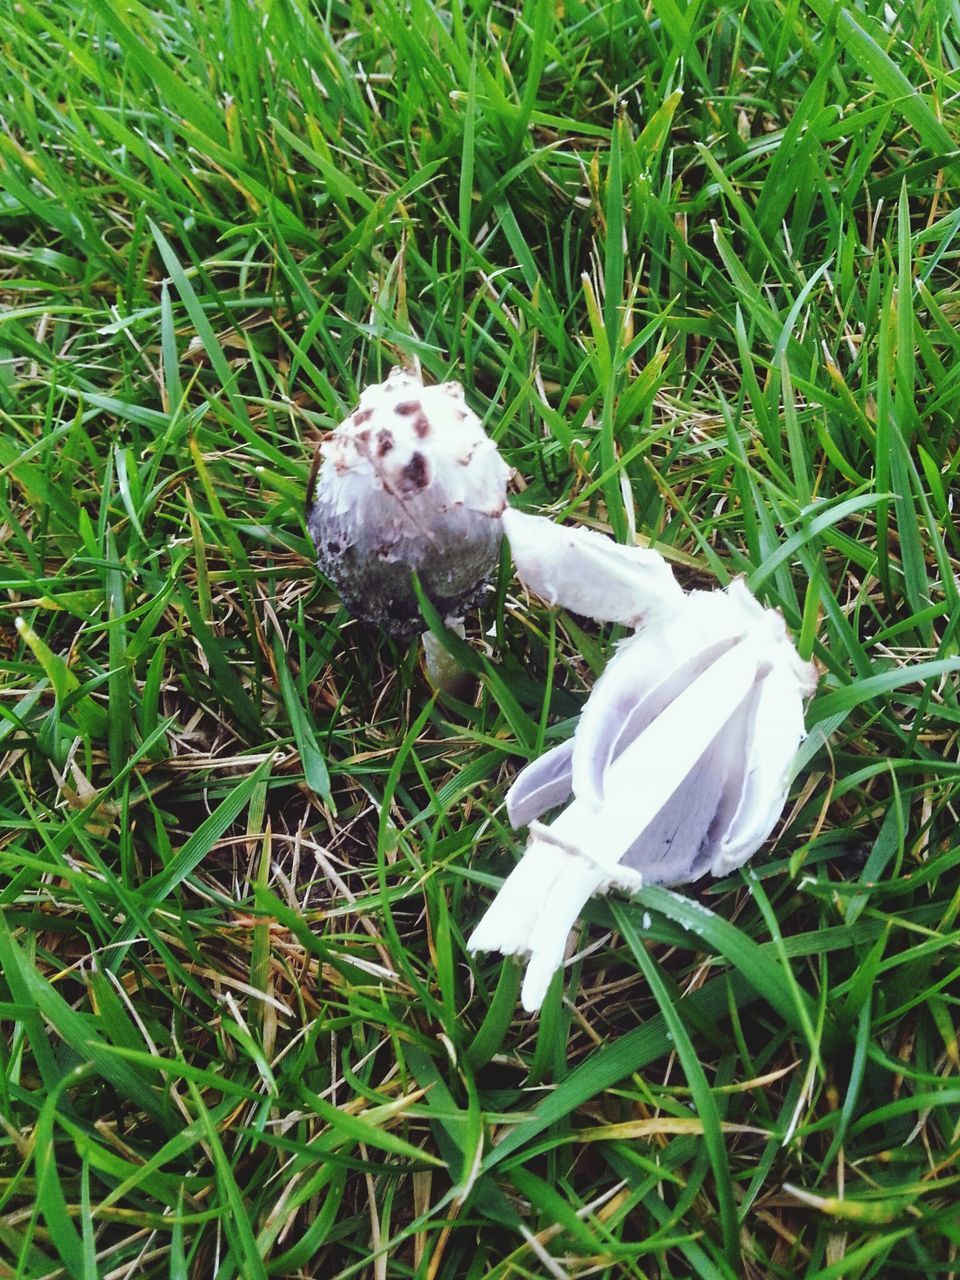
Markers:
<point>681,760</point>
<point>410,481</point>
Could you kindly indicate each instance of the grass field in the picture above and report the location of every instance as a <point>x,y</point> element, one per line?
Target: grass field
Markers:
<point>697,267</point>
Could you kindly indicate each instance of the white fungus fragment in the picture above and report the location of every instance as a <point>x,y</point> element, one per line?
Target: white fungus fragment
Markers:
<point>680,763</point>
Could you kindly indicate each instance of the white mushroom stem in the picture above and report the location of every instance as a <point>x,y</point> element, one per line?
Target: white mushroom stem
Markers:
<point>444,672</point>
<point>588,573</point>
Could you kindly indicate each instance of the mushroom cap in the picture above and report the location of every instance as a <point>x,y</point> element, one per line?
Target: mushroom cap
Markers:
<point>410,481</point>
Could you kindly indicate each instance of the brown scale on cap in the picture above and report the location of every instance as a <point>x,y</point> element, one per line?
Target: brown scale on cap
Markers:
<point>416,474</point>
<point>384,442</point>
<point>362,415</point>
<point>406,407</point>
<point>421,426</point>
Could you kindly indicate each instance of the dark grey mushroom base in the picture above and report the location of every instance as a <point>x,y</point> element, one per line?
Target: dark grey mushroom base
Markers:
<point>454,563</point>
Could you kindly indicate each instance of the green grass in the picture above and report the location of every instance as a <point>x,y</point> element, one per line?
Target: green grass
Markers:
<point>697,268</point>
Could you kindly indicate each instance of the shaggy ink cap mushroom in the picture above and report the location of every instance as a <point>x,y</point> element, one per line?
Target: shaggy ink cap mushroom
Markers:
<point>410,481</point>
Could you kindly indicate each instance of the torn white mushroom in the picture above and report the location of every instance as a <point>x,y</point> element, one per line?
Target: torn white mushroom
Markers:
<point>680,764</point>
<point>410,481</point>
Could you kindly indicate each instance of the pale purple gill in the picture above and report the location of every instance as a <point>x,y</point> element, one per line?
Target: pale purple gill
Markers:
<point>681,760</point>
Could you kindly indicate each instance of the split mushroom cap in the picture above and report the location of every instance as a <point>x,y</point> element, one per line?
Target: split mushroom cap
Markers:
<point>681,760</point>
